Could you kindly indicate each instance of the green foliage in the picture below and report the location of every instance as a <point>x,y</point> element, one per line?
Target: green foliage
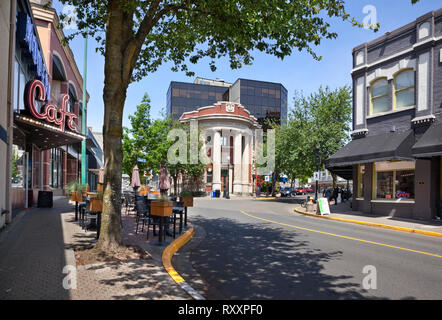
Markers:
<point>73,187</point>
<point>15,160</point>
<point>183,31</point>
<point>317,126</point>
<point>146,139</point>
<point>186,194</point>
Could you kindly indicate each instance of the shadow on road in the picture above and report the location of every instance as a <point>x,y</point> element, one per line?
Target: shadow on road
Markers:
<point>247,261</point>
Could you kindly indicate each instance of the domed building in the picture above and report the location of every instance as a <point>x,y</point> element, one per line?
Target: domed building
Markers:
<point>229,132</point>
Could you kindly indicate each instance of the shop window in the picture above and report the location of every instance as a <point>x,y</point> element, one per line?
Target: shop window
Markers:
<point>209,177</point>
<point>361,178</point>
<point>21,89</point>
<point>36,156</point>
<point>18,167</point>
<point>56,171</point>
<point>394,180</point>
<point>16,85</point>
<point>379,97</point>
<point>404,89</point>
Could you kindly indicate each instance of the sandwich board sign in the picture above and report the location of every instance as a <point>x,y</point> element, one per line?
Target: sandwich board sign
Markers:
<point>324,208</point>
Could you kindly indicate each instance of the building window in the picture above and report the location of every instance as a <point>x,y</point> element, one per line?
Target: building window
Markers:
<point>56,172</point>
<point>404,89</point>
<point>19,86</point>
<point>394,180</point>
<point>379,96</point>
<point>361,175</point>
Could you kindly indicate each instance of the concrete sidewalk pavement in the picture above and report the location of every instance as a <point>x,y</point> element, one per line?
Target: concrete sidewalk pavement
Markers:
<point>40,243</point>
<point>343,212</point>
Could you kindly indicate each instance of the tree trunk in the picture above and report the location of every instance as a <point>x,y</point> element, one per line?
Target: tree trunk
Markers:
<point>114,97</point>
<point>335,180</point>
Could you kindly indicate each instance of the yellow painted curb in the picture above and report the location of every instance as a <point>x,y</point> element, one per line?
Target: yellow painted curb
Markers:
<point>266,198</point>
<point>372,224</point>
<point>166,258</point>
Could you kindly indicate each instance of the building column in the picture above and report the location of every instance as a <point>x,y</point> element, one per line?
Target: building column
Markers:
<point>216,159</point>
<point>245,165</point>
<point>237,159</point>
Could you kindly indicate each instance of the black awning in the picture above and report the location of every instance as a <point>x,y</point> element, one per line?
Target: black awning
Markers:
<point>343,172</point>
<point>381,147</point>
<point>430,144</point>
<point>43,135</point>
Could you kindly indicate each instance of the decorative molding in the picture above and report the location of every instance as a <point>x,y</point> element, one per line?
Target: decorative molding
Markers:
<point>392,57</point>
<point>423,82</point>
<point>390,72</point>
<point>424,119</point>
<point>359,133</point>
<point>424,30</point>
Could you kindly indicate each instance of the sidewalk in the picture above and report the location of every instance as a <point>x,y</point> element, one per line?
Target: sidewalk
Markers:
<point>41,242</point>
<point>343,212</point>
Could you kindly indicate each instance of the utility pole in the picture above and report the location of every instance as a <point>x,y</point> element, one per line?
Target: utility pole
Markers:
<point>83,118</point>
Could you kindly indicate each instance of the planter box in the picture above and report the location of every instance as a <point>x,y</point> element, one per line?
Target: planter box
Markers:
<point>96,205</point>
<point>76,196</point>
<point>161,208</point>
<point>188,201</point>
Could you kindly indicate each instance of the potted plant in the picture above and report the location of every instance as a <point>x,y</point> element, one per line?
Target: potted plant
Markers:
<point>161,207</point>
<point>96,203</point>
<point>187,198</point>
<point>75,190</point>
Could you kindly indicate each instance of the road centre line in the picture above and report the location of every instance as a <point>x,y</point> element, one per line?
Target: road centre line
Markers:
<point>344,237</point>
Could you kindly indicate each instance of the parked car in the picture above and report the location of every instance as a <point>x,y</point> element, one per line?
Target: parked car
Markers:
<point>300,191</point>
<point>286,192</point>
<point>309,190</point>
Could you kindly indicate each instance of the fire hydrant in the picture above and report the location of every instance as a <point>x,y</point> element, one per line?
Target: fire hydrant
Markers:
<point>310,205</point>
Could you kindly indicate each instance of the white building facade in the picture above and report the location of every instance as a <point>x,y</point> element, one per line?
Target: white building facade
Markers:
<point>228,131</point>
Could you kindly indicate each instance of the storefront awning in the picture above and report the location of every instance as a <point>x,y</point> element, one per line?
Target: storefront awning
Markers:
<point>382,147</point>
<point>430,144</point>
<point>44,135</point>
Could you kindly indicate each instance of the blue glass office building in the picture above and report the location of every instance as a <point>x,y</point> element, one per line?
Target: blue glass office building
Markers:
<point>264,100</point>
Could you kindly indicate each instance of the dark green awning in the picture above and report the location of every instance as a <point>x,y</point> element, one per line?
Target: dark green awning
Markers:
<point>430,144</point>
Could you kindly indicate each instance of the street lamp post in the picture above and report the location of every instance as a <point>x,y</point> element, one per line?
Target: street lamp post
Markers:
<point>317,170</point>
<point>228,177</point>
<point>226,185</point>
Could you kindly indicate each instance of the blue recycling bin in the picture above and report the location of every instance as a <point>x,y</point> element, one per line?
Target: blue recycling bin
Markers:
<point>213,194</point>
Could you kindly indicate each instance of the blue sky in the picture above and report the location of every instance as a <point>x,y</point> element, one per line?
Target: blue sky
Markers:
<point>296,72</point>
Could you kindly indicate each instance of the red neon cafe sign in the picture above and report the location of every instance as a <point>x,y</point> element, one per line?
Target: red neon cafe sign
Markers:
<point>50,113</point>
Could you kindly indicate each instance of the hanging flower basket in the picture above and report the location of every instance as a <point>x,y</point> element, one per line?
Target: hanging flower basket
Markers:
<point>161,208</point>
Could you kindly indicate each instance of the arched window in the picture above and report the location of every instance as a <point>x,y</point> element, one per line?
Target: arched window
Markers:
<point>404,89</point>
<point>72,98</point>
<point>379,96</point>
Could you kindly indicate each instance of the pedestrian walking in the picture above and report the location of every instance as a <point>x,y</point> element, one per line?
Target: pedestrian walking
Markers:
<point>335,195</point>
<point>327,194</point>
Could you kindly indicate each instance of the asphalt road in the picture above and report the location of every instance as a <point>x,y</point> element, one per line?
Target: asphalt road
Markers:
<point>261,249</point>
